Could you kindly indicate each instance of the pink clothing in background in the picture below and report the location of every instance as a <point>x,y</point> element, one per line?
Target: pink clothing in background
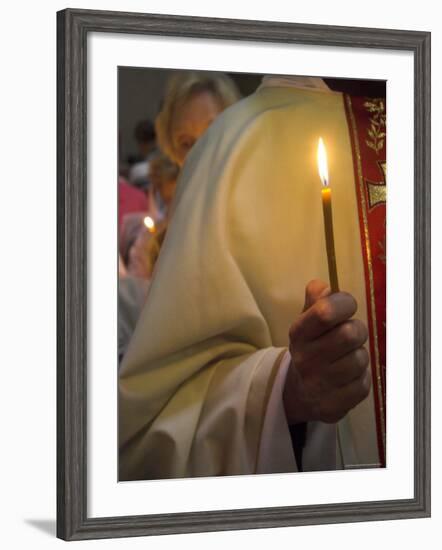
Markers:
<point>130,200</point>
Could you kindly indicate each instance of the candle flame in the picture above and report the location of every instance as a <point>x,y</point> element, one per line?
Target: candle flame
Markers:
<point>149,223</point>
<point>322,163</point>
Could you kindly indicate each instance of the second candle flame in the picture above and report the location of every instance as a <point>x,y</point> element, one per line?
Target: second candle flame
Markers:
<point>150,224</point>
<point>322,163</point>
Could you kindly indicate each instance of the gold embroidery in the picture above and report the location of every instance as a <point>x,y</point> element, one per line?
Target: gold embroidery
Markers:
<point>377,194</point>
<point>376,132</point>
<point>377,191</point>
<point>383,166</point>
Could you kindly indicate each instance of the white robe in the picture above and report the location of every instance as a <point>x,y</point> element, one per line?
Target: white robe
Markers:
<point>200,390</point>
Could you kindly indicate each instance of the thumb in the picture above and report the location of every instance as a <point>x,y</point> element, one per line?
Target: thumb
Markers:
<point>314,290</point>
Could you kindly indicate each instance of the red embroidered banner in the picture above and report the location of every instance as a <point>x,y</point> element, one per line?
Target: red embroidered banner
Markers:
<point>367,124</point>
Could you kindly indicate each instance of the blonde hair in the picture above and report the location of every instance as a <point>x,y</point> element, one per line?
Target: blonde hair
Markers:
<point>180,87</point>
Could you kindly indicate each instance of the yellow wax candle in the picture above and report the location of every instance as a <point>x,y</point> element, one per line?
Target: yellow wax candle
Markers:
<point>328,218</point>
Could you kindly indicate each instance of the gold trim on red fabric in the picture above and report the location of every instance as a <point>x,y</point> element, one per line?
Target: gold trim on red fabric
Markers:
<point>371,309</point>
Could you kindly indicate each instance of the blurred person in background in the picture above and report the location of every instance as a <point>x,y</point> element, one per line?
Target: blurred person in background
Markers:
<point>163,175</point>
<point>146,142</point>
<point>146,246</point>
<point>192,102</point>
<point>130,200</point>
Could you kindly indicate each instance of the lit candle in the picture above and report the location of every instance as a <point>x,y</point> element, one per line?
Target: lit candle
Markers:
<point>328,219</point>
<point>343,429</point>
<point>150,224</point>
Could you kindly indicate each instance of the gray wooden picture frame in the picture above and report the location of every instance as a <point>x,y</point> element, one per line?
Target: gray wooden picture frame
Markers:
<point>73,27</point>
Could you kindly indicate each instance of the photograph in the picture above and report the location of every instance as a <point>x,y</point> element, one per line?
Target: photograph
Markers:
<point>251,273</point>
<point>237,346</point>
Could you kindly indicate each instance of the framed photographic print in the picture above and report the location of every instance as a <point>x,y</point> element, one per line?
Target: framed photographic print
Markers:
<point>237,346</point>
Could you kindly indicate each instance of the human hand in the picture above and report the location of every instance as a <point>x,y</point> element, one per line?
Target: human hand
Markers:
<point>139,264</point>
<point>329,373</point>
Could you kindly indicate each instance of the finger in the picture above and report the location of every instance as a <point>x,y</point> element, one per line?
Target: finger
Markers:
<point>322,316</point>
<point>347,368</point>
<point>334,344</point>
<point>343,399</point>
<point>314,290</point>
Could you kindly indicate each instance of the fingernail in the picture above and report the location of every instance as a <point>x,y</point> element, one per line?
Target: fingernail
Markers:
<point>325,292</point>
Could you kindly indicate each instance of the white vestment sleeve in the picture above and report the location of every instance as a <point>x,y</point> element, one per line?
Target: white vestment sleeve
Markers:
<point>276,453</point>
